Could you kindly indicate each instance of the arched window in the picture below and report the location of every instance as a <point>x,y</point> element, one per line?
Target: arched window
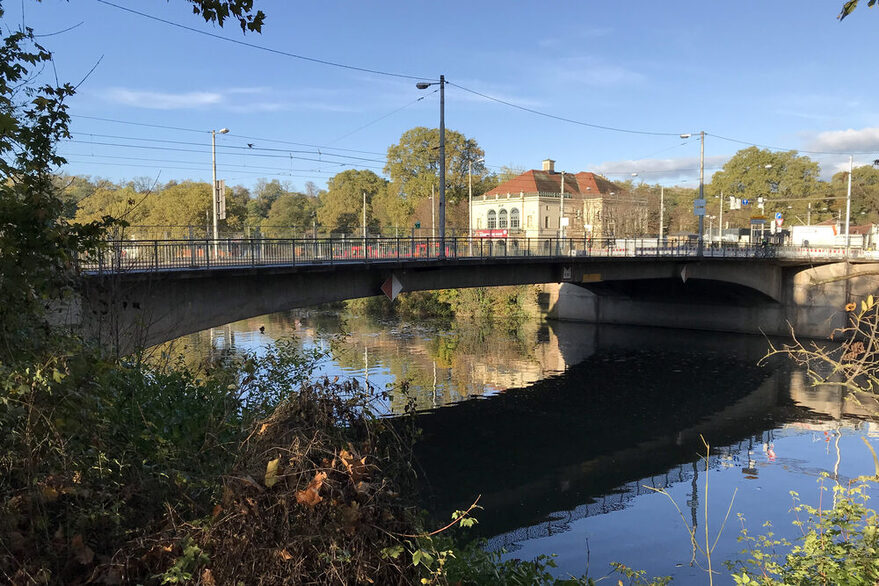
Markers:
<point>514,218</point>
<point>492,220</point>
<point>502,219</point>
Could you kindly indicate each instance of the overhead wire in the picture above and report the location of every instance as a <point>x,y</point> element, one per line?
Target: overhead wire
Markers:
<point>560,118</point>
<point>263,48</point>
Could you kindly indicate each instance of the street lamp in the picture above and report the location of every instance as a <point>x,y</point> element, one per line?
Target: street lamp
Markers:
<point>470,202</point>
<point>423,85</point>
<point>701,186</point>
<point>214,194</point>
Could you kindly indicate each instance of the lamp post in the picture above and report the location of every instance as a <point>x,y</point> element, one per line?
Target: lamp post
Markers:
<point>423,85</point>
<point>470,203</point>
<point>214,202</point>
<point>701,187</point>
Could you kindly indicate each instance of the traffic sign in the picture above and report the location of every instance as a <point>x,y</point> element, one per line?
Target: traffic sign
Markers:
<point>746,202</point>
<point>777,215</point>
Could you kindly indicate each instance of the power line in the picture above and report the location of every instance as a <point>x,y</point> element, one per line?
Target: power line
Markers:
<point>247,148</point>
<point>232,134</point>
<point>359,128</point>
<point>262,48</point>
<point>777,148</point>
<point>247,154</point>
<point>560,118</point>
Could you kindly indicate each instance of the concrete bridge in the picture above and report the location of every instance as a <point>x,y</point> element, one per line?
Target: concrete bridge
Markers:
<point>147,292</point>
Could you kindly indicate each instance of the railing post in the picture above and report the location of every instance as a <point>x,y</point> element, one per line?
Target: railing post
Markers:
<point>207,253</point>
<point>156,254</point>
<point>293,251</point>
<point>252,254</point>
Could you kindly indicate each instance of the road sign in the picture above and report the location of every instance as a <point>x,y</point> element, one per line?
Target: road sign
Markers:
<point>392,287</point>
<point>777,215</point>
<point>698,207</point>
<point>746,202</point>
<point>417,225</point>
<point>779,222</point>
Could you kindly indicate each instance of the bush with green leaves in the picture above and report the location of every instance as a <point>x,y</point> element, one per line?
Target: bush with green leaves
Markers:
<point>838,546</point>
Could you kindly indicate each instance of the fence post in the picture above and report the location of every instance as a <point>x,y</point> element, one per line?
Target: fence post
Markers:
<point>156,254</point>
<point>293,252</point>
<point>207,253</point>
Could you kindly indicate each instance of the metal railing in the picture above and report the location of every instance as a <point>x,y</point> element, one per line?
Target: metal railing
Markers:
<point>153,255</point>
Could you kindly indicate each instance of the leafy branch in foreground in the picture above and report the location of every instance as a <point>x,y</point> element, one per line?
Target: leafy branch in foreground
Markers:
<point>850,360</point>
<point>837,546</point>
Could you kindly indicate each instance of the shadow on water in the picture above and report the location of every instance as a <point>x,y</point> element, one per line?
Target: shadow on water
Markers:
<point>630,408</point>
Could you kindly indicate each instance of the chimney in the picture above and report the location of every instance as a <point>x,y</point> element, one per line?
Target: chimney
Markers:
<point>549,165</point>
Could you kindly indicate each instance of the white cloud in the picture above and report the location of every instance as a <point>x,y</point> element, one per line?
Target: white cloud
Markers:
<point>654,170</point>
<point>866,139</point>
<point>163,100</point>
<point>594,72</point>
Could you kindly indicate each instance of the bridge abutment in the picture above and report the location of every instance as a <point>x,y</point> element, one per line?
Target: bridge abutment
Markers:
<point>809,300</point>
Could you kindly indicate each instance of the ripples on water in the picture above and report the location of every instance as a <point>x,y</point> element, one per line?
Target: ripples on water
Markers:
<point>579,419</point>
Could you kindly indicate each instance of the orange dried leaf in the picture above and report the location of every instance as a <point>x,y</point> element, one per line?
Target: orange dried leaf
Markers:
<point>285,555</point>
<point>207,578</point>
<point>310,495</point>
<point>262,428</point>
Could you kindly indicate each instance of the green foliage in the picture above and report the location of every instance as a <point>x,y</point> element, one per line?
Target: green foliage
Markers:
<point>38,249</point>
<point>413,164</point>
<point>290,216</point>
<point>105,450</point>
<point>850,5</point>
<point>341,206</point>
<point>839,546</point>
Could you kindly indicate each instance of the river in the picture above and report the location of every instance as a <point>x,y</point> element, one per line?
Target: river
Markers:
<point>567,431</point>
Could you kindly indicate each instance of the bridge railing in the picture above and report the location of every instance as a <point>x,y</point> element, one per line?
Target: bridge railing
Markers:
<point>152,255</point>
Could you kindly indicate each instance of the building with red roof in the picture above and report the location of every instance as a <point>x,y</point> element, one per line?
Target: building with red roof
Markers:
<point>531,205</point>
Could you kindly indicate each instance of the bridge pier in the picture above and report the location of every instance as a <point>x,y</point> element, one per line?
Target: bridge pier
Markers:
<point>811,301</point>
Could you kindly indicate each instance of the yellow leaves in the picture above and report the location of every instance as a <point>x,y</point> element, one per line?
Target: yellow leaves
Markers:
<point>867,304</point>
<point>310,496</point>
<point>272,478</point>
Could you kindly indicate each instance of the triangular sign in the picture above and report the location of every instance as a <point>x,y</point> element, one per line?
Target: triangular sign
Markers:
<point>392,287</point>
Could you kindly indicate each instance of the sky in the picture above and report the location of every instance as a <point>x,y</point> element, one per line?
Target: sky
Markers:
<point>606,87</point>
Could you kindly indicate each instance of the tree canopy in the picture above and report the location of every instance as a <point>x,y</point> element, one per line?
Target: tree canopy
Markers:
<point>341,205</point>
<point>413,164</point>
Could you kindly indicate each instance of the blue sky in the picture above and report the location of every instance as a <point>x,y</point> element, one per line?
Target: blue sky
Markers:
<point>784,73</point>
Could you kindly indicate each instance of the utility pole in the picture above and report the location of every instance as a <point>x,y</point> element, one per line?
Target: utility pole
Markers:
<point>701,190</point>
<point>562,209</point>
<point>661,211</point>
<point>848,205</point>
<point>720,221</point>
<point>432,218</point>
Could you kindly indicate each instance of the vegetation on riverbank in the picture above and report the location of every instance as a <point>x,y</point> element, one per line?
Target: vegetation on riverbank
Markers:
<point>509,303</point>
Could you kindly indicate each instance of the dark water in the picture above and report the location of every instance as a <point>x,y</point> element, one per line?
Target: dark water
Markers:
<point>564,429</point>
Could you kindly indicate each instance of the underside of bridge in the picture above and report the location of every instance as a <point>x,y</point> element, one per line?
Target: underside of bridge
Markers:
<point>139,309</point>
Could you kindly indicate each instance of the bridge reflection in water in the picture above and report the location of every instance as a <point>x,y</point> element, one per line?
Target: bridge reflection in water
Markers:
<point>631,415</point>
<point>571,422</point>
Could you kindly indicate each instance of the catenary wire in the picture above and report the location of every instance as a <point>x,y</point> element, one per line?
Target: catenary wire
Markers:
<point>262,48</point>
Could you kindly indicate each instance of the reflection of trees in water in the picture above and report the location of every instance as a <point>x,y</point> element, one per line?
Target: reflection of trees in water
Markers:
<point>441,364</point>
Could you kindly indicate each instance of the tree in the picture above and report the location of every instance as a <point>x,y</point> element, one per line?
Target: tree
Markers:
<point>865,193</point>
<point>290,215</point>
<point>266,193</point>
<point>413,164</point>
<point>850,5</point>
<point>342,205</point>
<point>782,178</point>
